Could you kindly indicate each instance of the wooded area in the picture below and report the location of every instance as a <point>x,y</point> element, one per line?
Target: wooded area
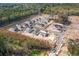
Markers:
<point>15,12</point>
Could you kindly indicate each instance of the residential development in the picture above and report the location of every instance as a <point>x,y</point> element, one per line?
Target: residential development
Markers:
<point>42,27</point>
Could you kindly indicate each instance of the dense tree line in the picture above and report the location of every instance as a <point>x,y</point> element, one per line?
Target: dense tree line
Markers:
<point>9,14</point>
<point>71,9</point>
<point>14,12</point>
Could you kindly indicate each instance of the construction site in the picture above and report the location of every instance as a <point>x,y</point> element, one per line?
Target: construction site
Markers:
<point>43,27</point>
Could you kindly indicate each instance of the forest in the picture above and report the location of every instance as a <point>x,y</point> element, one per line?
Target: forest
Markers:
<point>14,12</point>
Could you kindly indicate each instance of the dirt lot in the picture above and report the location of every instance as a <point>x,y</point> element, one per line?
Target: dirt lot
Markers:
<point>73,30</point>
<point>71,33</point>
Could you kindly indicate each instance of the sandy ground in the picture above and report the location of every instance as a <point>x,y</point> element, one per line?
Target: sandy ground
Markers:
<point>73,30</point>
<point>71,33</point>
